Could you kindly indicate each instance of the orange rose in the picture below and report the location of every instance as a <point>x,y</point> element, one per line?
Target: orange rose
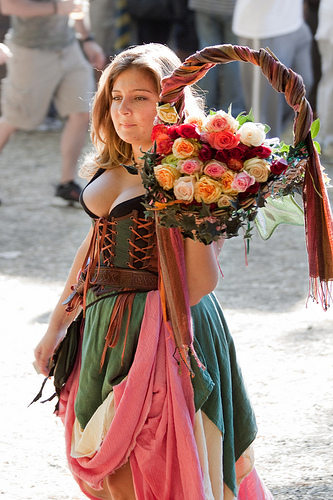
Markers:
<point>207,190</point>
<point>166,175</point>
<point>195,120</point>
<point>226,182</point>
<point>184,148</point>
<point>223,140</point>
<point>225,201</point>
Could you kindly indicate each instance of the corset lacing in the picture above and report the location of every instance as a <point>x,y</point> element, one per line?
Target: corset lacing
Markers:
<point>102,247</point>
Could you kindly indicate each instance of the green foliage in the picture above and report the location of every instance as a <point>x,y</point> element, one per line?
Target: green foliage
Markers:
<point>317,146</point>
<point>315,127</point>
<point>243,117</point>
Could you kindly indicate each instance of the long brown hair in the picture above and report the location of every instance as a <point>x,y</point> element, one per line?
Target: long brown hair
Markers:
<point>158,61</point>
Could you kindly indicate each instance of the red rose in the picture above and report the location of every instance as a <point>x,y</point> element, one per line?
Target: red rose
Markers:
<point>260,151</point>
<point>239,152</point>
<point>163,144</point>
<point>158,130</point>
<point>235,164</point>
<point>205,153</point>
<point>222,156</point>
<point>279,166</point>
<point>250,190</point>
<point>188,131</point>
<point>173,132</point>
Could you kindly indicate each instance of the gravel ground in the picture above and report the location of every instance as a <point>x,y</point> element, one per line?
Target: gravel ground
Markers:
<point>284,347</point>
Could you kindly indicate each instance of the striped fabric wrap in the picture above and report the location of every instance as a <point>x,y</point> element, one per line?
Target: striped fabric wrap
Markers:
<point>221,7</point>
<point>318,215</point>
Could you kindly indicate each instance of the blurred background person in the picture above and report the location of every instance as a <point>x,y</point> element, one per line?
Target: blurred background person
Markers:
<point>49,65</point>
<point>324,37</point>
<point>213,20</point>
<point>5,53</point>
<point>112,25</point>
<point>311,8</point>
<point>280,26</point>
<point>169,22</point>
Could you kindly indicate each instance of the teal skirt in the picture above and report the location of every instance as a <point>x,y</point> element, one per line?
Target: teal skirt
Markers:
<point>219,389</point>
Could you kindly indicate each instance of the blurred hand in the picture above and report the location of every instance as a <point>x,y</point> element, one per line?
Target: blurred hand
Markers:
<point>5,53</point>
<point>95,54</point>
<point>66,7</point>
<point>44,351</point>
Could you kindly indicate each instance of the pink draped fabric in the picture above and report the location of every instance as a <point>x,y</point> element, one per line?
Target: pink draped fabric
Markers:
<point>252,488</point>
<point>153,422</point>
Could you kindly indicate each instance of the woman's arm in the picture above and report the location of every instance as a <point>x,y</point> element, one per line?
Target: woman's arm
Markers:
<point>202,269</point>
<point>60,320</point>
<point>29,8</point>
<point>92,50</point>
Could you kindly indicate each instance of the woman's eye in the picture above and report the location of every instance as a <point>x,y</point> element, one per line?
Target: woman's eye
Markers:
<point>141,98</point>
<point>116,98</point>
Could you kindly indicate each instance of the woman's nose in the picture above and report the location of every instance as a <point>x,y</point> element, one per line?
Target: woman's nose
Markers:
<point>124,107</point>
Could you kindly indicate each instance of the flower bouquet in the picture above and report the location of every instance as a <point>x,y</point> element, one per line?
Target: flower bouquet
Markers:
<point>208,176</point>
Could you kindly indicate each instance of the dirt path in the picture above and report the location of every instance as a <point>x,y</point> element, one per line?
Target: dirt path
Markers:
<point>285,349</point>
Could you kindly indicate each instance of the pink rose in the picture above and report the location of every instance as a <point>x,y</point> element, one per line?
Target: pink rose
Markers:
<point>183,188</point>
<point>215,169</point>
<point>242,181</point>
<point>220,121</point>
<point>204,137</point>
<point>190,166</point>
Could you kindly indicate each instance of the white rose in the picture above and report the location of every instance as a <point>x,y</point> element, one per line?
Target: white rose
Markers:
<point>252,134</point>
<point>183,188</point>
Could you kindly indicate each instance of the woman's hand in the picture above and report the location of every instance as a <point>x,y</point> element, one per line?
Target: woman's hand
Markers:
<point>60,319</point>
<point>44,351</point>
<point>202,270</point>
<point>95,54</point>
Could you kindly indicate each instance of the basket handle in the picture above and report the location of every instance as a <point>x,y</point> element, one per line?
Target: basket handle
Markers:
<point>281,78</point>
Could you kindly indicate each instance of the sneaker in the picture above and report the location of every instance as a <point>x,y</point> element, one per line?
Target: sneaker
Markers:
<point>49,124</point>
<point>70,192</point>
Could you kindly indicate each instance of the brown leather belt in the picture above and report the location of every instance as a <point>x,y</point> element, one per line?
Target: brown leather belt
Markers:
<point>125,278</point>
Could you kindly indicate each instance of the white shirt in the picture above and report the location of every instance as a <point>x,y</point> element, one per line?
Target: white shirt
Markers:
<point>258,19</point>
<point>325,21</point>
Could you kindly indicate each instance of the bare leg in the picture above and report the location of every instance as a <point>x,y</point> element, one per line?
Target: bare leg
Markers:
<point>72,141</point>
<point>120,484</point>
<point>6,130</point>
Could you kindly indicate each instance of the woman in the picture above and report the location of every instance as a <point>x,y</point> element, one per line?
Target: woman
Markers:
<point>129,405</point>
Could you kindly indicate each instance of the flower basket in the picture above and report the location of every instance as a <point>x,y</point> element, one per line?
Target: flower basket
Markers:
<point>210,178</point>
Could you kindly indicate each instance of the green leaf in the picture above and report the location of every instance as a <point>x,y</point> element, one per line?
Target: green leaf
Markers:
<point>204,212</point>
<point>267,128</point>
<point>188,222</point>
<point>243,118</point>
<point>317,146</point>
<point>315,127</point>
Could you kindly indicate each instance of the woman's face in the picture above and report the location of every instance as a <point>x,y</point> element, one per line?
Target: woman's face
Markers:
<point>133,108</point>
